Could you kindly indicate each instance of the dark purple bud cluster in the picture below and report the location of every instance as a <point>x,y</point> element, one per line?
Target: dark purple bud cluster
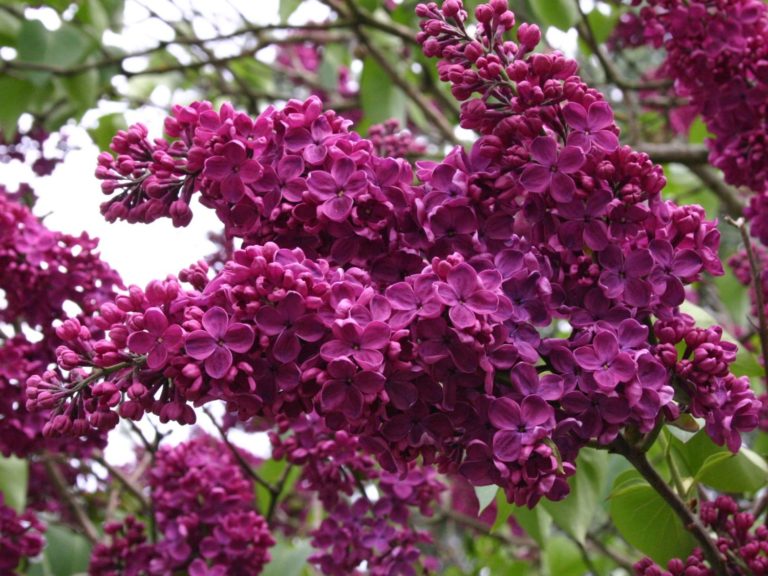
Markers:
<point>203,506</point>
<point>21,537</point>
<point>717,55</point>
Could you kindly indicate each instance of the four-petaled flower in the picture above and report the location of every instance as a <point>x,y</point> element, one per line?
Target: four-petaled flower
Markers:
<point>335,190</point>
<point>158,340</point>
<point>591,127</point>
<point>365,345</point>
<point>466,296</point>
<point>347,388</point>
<point>519,425</point>
<point>218,340</point>
<point>289,322</point>
<point>552,169</point>
<point>607,363</point>
<point>232,169</point>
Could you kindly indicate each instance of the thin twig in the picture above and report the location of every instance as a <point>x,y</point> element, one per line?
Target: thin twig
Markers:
<point>757,285</point>
<point>62,487</point>
<point>598,545</point>
<point>728,195</point>
<point>690,521</point>
<point>279,487</point>
<point>244,464</point>
<point>433,115</point>
<point>688,154</point>
<point>121,477</point>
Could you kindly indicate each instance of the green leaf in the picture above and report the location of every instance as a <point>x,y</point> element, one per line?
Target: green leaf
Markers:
<point>108,126</point>
<point>536,523</point>
<point>9,29</point>
<point>14,477</point>
<point>574,514</point>
<point>369,5</point>
<point>288,7</point>
<point>698,132</point>
<point>83,89</point>
<point>288,558</point>
<point>602,25</point>
<point>16,93</point>
<point>380,98</point>
<point>32,42</point>
<point>67,47</point>
<point>485,495</point>
<point>564,557</point>
<point>735,473</point>
<point>66,552</point>
<point>561,14</point>
<point>647,522</point>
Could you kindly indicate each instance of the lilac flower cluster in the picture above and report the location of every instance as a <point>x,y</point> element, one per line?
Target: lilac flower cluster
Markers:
<point>21,537</point>
<point>203,507</point>
<point>127,552</point>
<point>491,318</point>
<point>358,529</point>
<point>30,148</point>
<point>40,270</point>
<point>718,58</point>
<point>743,546</point>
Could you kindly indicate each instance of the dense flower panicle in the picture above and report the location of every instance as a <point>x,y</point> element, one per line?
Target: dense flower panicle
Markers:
<point>740,542</point>
<point>420,317</point>
<point>717,56</point>
<point>203,505</point>
<point>21,537</point>
<point>377,532</point>
<point>126,553</point>
<point>41,271</point>
<point>30,148</point>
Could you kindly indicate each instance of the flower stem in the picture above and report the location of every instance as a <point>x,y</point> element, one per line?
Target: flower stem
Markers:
<point>691,522</point>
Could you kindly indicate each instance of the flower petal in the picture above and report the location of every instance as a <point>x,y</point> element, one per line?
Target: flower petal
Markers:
<point>199,344</point>
<point>239,337</point>
<point>218,363</point>
<point>215,322</point>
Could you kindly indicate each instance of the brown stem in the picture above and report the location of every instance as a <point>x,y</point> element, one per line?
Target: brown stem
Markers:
<point>244,464</point>
<point>595,543</point>
<point>690,520</point>
<point>757,285</point>
<point>728,195</point>
<point>679,152</point>
<point>127,482</point>
<point>433,115</point>
<point>60,483</point>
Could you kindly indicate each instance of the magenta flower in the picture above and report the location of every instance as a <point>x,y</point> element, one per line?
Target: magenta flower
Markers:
<point>672,267</point>
<point>218,340</point>
<point>335,190</point>
<point>282,181</point>
<point>551,172</point>
<point>623,275</point>
<point>232,169</point>
<point>591,127</point>
<point>608,364</point>
<point>289,323</point>
<point>520,425</point>
<point>409,301</point>
<point>310,142</point>
<point>585,222</point>
<point>158,340</point>
<point>346,390</point>
<point>465,295</point>
<point>365,345</point>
